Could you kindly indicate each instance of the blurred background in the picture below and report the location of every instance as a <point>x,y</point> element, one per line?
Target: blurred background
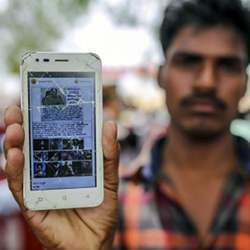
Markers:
<point>125,35</point>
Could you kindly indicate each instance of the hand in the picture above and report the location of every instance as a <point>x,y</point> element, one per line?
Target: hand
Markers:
<point>84,228</point>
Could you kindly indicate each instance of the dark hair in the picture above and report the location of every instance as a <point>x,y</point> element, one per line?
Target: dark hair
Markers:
<point>205,13</point>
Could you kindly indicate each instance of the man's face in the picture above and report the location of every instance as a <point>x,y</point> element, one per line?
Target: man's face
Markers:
<point>204,77</point>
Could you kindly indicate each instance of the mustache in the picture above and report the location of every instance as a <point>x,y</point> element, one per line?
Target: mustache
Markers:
<point>208,97</point>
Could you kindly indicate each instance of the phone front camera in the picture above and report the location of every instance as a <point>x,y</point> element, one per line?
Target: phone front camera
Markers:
<point>37,59</point>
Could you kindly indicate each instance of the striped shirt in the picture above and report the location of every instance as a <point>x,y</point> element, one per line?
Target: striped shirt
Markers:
<point>152,219</point>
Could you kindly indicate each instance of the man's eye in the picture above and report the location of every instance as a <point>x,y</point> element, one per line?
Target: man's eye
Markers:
<point>231,66</point>
<point>186,61</point>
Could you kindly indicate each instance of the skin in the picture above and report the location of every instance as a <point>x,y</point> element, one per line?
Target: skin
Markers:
<point>88,228</point>
<point>209,63</point>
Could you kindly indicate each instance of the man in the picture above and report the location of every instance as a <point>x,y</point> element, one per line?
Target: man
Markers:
<point>195,192</point>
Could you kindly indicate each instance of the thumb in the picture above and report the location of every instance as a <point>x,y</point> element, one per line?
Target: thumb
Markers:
<point>111,156</point>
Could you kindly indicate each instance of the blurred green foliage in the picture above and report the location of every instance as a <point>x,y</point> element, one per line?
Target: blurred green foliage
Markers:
<point>136,13</point>
<point>34,25</point>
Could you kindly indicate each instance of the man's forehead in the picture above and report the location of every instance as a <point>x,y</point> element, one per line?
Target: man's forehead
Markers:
<point>218,41</point>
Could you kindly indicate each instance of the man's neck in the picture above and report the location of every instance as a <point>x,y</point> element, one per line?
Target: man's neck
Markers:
<point>203,158</point>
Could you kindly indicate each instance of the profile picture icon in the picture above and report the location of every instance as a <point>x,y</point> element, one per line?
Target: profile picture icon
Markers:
<point>33,81</point>
<point>52,96</point>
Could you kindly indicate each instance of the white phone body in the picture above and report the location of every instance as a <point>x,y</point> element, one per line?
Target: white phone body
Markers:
<point>62,119</point>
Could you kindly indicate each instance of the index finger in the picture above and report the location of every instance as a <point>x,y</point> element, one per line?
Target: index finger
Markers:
<point>14,134</point>
<point>13,114</point>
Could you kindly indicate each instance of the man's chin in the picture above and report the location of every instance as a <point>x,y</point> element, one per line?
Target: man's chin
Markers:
<point>203,134</point>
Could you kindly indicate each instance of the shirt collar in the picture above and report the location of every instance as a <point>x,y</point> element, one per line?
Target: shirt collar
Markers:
<point>149,172</point>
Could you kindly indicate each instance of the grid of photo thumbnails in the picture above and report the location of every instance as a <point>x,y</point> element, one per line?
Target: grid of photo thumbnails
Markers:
<point>61,158</point>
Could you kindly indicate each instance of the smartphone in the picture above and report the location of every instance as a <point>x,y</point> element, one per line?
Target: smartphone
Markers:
<point>62,120</point>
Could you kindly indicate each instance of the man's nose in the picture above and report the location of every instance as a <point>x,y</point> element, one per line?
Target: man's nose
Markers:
<point>206,78</point>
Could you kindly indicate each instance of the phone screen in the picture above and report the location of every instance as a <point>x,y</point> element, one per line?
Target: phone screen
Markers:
<point>62,130</point>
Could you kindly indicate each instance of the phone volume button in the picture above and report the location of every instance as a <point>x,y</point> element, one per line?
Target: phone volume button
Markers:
<point>21,102</point>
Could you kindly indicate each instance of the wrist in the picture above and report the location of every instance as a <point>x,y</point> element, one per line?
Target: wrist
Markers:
<point>108,243</point>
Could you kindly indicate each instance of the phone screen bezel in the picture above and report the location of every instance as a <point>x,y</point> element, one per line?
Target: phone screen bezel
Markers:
<point>63,198</point>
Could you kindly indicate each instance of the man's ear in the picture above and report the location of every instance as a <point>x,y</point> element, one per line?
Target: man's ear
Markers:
<point>245,85</point>
<point>159,76</point>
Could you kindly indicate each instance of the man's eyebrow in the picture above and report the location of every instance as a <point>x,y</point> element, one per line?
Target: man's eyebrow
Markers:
<point>195,55</point>
<point>186,54</point>
<point>232,58</point>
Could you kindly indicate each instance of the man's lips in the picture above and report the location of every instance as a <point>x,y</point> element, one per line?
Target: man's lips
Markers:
<point>206,107</point>
<point>203,104</point>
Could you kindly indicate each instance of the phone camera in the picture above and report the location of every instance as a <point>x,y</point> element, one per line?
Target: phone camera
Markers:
<point>37,59</point>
